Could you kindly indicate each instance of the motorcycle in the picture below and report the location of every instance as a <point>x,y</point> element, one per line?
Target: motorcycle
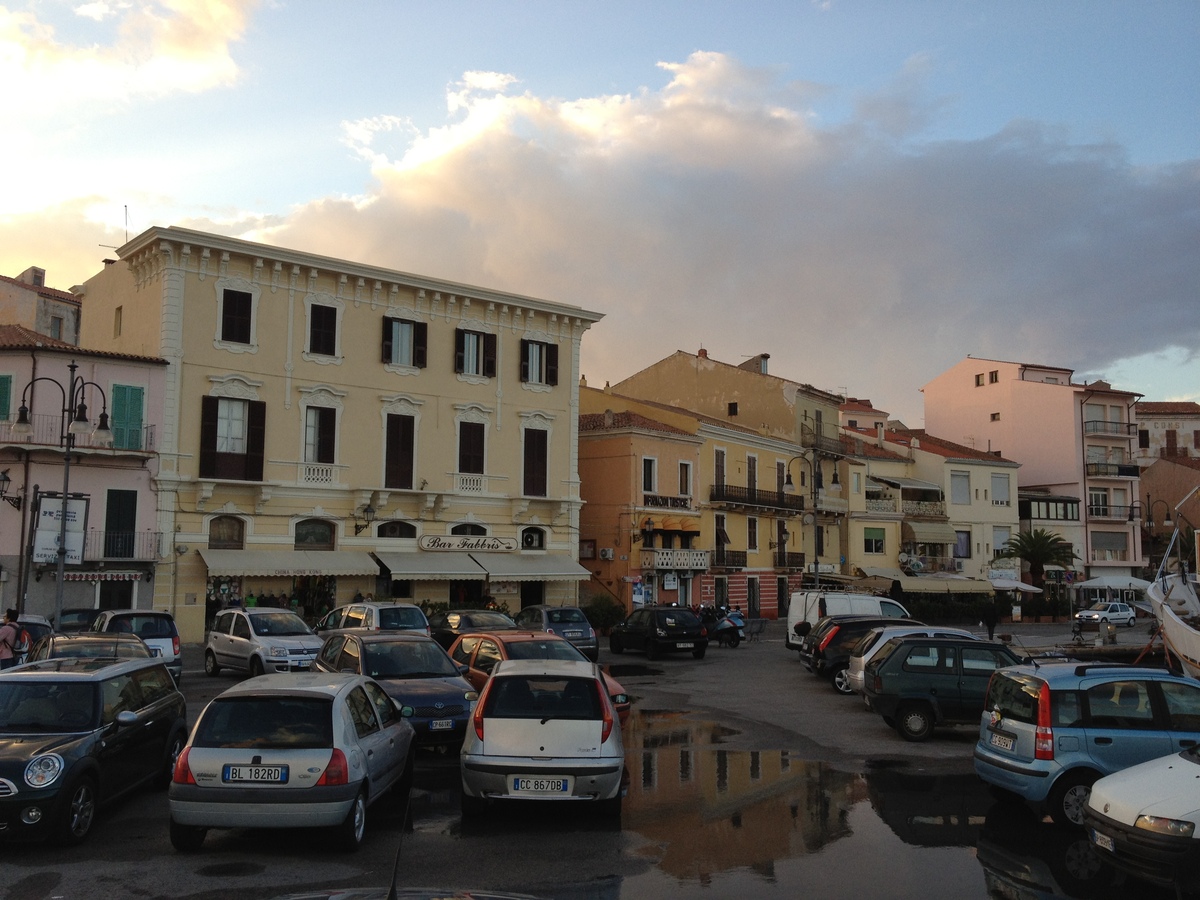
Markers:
<point>726,627</point>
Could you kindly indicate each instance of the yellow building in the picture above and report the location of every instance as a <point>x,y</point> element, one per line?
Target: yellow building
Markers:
<point>333,428</point>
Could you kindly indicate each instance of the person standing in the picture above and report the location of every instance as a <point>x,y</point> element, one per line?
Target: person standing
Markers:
<point>9,635</point>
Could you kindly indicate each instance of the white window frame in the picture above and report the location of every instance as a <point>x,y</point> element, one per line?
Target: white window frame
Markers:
<point>956,478</point>
<point>233,420</point>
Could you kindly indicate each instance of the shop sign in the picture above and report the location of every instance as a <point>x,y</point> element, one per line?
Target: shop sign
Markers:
<point>466,542</point>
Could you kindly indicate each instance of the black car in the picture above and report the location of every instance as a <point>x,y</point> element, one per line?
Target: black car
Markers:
<point>415,671</point>
<point>660,629</point>
<point>826,649</point>
<point>445,627</point>
<point>110,646</point>
<point>78,733</point>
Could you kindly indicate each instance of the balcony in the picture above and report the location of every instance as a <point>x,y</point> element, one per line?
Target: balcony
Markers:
<point>47,432</point>
<point>927,565</point>
<point>729,559</point>
<point>1112,470</point>
<point>1110,511</point>
<point>729,495</point>
<point>1112,429</point>
<point>811,441</point>
<point>680,560</point>
<point>828,504</point>
<point>918,508</point>
<point>881,504</point>
<point>1113,556</point>
<point>788,559</point>
<point>144,546</point>
<point>317,473</point>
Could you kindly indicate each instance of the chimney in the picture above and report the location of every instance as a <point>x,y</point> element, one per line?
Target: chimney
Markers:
<point>879,435</point>
<point>702,353</point>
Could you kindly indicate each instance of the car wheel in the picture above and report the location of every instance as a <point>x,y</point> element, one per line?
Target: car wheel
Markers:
<point>256,667</point>
<point>914,721</point>
<point>1069,797</point>
<point>698,653</point>
<point>174,748</point>
<point>1104,619</point>
<point>352,831</point>
<point>1132,621</point>
<point>841,681</point>
<point>615,645</point>
<point>187,838</point>
<point>211,667</point>
<point>651,650</point>
<point>79,812</point>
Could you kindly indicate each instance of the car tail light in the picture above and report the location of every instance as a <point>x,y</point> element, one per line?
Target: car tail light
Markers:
<point>829,637</point>
<point>609,712</point>
<point>703,631</point>
<point>877,684</point>
<point>1043,738</point>
<point>175,644</point>
<point>183,772</point>
<point>477,716</point>
<point>337,771</point>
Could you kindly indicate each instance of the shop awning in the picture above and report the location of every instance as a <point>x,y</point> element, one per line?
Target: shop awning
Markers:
<point>531,567</point>
<point>419,565</point>
<point>909,483</point>
<point>928,532</point>
<point>287,563</point>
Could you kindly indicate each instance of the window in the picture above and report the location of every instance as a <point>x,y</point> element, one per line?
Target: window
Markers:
<point>1000,536</point>
<point>1144,439</point>
<point>226,533</point>
<point>685,479</point>
<point>120,523</point>
<point>536,462</point>
<point>1000,494</point>
<point>962,544</point>
<point>56,324</point>
<point>399,455</point>
<point>126,421</point>
<point>979,380</point>
<point>5,397</point>
<point>471,447</point>
<point>314,534</point>
<point>873,540</point>
<point>232,438</point>
<point>474,353</point>
<point>404,342</point>
<point>751,533</point>
<point>649,474</point>
<point>362,712</point>
<point>533,539</point>
<point>719,468</point>
<point>320,429</point>
<point>752,473</point>
<point>236,309</point>
<point>960,488</point>
<point>995,417</point>
<point>994,376</point>
<point>396,529</point>
<point>733,409</point>
<point>539,363</point>
<point>469,528</point>
<point>322,330</point>
<point>856,482</point>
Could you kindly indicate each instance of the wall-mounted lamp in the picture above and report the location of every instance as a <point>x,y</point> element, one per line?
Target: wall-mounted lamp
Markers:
<point>5,482</point>
<point>181,549</point>
<point>368,515</point>
<point>783,539</point>
<point>638,536</point>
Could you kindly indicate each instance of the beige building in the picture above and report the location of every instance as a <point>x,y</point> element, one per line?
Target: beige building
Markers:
<point>1167,431</point>
<point>25,300</point>
<point>333,428</point>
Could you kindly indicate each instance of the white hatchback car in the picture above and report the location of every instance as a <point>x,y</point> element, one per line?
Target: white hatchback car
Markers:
<point>1104,611</point>
<point>543,729</point>
<point>291,751</point>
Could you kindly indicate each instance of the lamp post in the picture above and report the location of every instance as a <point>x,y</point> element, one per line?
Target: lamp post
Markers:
<point>817,484</point>
<point>1167,521</point>
<point>73,422</point>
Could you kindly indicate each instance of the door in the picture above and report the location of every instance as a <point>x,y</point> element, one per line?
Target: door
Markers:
<point>1121,729</point>
<point>977,665</point>
<point>120,524</point>
<point>377,745</point>
<point>533,593</point>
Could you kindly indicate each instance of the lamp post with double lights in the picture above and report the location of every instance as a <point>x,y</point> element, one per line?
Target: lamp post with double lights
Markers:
<point>73,422</point>
<point>817,485</point>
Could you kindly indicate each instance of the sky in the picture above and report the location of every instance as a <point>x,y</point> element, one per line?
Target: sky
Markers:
<point>867,191</point>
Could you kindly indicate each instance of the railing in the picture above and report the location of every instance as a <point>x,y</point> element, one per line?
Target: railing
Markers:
<point>1110,556</point>
<point>881,504</point>
<point>1173,452</point>
<point>469,483</point>
<point>140,545</point>
<point>729,559</point>
<point>47,432</point>
<point>826,503</point>
<point>694,560</point>
<point>1109,511</point>
<point>820,443</point>
<point>923,507</point>
<point>317,473</point>
<point>789,559</point>
<point>1119,429</point>
<point>1112,470</point>
<point>727,493</point>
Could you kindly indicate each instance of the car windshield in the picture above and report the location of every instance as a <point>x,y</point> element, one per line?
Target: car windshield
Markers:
<point>279,624</point>
<point>124,649</point>
<point>569,615</point>
<point>46,706</point>
<point>401,617</point>
<point>269,722</point>
<point>143,626</point>
<point>407,659</point>
<point>543,650</point>
<point>1100,607</point>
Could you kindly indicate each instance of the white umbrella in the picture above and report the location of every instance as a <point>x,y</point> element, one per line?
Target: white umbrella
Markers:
<point>1011,584</point>
<point>1115,582</point>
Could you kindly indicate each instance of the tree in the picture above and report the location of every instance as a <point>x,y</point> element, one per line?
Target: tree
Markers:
<point>1039,548</point>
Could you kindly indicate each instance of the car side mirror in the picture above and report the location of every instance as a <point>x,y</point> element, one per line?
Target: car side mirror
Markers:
<point>463,668</point>
<point>126,717</point>
<point>406,712</point>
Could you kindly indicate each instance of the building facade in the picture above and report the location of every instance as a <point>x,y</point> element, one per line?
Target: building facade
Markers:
<point>26,300</point>
<point>332,428</point>
<point>1167,431</point>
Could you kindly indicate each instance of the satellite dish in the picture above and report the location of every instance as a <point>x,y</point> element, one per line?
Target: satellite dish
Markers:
<point>903,557</point>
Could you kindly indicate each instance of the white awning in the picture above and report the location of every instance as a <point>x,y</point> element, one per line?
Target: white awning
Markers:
<point>419,565</point>
<point>911,483</point>
<point>932,584</point>
<point>531,567</point>
<point>287,563</point>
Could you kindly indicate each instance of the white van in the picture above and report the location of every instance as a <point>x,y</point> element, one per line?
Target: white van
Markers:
<point>808,606</point>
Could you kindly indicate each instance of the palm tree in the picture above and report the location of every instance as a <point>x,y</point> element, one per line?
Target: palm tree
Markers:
<point>1039,548</point>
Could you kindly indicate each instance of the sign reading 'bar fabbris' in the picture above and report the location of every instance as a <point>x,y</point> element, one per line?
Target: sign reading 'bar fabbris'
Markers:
<point>464,542</point>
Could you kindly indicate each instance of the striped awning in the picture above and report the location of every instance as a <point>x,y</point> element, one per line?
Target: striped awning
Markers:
<point>288,563</point>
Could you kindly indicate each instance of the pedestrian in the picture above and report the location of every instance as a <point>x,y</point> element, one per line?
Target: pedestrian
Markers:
<point>10,634</point>
<point>990,616</point>
<point>251,600</point>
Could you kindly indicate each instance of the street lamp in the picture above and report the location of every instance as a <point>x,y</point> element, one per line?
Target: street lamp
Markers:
<point>817,485</point>
<point>1167,521</point>
<point>73,422</point>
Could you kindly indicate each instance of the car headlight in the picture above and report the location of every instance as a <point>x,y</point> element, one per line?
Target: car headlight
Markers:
<point>43,771</point>
<point>277,651</point>
<point>1170,827</point>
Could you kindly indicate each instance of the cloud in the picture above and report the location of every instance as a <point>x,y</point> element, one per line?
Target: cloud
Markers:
<point>711,212</point>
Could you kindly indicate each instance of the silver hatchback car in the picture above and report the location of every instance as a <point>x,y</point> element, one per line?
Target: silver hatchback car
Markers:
<point>566,621</point>
<point>260,640</point>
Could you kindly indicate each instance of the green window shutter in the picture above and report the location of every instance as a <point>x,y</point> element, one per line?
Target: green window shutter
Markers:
<point>5,397</point>
<point>126,418</point>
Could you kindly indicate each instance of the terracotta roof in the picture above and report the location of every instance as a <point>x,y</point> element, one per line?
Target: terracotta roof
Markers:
<point>1180,408</point>
<point>937,445</point>
<point>18,337</point>
<point>597,422</point>
<point>42,290</point>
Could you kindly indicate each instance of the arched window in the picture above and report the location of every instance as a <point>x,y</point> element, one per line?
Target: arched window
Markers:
<point>396,529</point>
<point>469,528</point>
<point>314,534</point>
<point>226,533</point>
<point>533,539</point>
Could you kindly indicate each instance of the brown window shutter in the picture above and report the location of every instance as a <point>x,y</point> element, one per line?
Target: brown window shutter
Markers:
<point>208,436</point>
<point>489,356</point>
<point>420,339</point>
<point>459,351</point>
<point>398,465</point>
<point>524,360</point>
<point>387,339</point>
<point>535,462</point>
<point>552,364</point>
<point>256,439</point>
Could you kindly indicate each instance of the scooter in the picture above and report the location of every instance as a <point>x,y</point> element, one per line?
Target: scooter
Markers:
<point>729,629</point>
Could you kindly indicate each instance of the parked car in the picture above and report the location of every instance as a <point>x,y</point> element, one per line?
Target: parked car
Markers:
<point>481,652</point>
<point>110,646</point>
<point>868,645</point>
<point>259,640</point>
<point>826,650</point>
<point>919,683</point>
<point>155,627</point>
<point>806,608</point>
<point>76,734</point>
<point>543,730</point>
<point>1103,611</point>
<point>1048,732</point>
<point>416,672</point>
<point>76,619</point>
<point>1145,820</point>
<point>566,621</point>
<point>660,629</point>
<point>291,751</point>
<point>445,627</point>
<point>372,616</point>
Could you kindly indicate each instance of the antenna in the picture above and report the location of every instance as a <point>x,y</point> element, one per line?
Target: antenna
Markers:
<point>113,246</point>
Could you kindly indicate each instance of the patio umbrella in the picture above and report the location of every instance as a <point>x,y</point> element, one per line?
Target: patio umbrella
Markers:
<point>1011,584</point>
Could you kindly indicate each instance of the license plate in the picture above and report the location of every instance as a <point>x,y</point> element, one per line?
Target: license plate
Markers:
<point>1103,841</point>
<point>999,740</point>
<point>441,725</point>
<point>540,785</point>
<point>572,634</point>
<point>684,645</point>
<point>255,774</point>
